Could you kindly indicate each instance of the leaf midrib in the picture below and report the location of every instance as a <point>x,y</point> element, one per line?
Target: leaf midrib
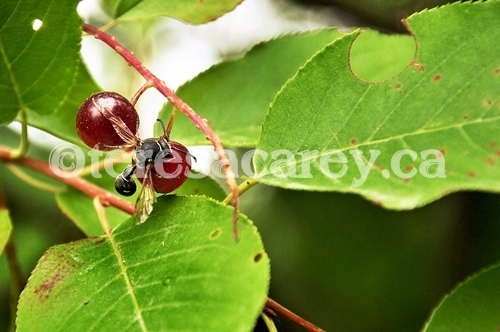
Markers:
<point>12,78</point>
<point>130,289</point>
<point>383,140</point>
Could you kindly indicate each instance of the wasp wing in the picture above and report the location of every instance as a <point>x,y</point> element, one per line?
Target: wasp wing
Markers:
<point>120,127</point>
<point>146,198</point>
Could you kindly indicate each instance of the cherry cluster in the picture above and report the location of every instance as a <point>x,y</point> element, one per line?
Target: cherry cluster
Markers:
<point>107,121</point>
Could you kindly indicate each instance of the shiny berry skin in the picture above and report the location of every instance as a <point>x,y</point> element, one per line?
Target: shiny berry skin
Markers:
<point>95,130</point>
<point>170,173</point>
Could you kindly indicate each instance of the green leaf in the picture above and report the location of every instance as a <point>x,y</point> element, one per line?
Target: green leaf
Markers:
<point>234,96</point>
<point>5,223</point>
<point>190,11</point>
<point>180,270</point>
<point>472,306</point>
<point>444,109</point>
<point>37,67</point>
<point>61,122</point>
<point>80,208</point>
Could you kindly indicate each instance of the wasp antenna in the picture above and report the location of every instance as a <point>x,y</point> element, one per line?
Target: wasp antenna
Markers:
<point>164,129</point>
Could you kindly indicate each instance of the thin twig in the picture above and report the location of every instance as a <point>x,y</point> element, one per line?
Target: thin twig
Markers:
<point>294,318</point>
<point>78,183</point>
<point>16,278</point>
<point>200,123</point>
<point>17,281</point>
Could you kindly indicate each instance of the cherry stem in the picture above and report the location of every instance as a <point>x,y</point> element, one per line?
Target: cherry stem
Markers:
<point>199,122</point>
<point>142,89</point>
<point>106,198</point>
<point>171,121</point>
<point>294,318</point>
<point>242,188</point>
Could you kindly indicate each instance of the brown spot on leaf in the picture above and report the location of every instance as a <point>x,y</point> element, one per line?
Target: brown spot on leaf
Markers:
<point>258,257</point>
<point>443,152</point>
<point>498,153</point>
<point>437,78</point>
<point>354,141</point>
<point>487,102</point>
<point>471,174</point>
<point>465,117</point>
<point>409,167</point>
<point>58,263</point>
<point>493,144</point>
<point>490,161</point>
<point>406,180</point>
<point>398,86</point>
<point>43,289</point>
<point>497,71</point>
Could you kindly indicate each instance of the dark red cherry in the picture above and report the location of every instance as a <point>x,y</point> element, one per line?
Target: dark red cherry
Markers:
<point>95,130</point>
<point>171,173</point>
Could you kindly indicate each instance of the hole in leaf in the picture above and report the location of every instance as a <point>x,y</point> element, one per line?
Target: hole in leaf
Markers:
<point>258,257</point>
<point>215,234</point>
<point>36,24</point>
<point>376,57</point>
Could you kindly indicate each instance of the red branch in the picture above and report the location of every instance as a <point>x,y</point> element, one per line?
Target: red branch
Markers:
<point>304,324</point>
<point>106,198</point>
<point>181,105</point>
